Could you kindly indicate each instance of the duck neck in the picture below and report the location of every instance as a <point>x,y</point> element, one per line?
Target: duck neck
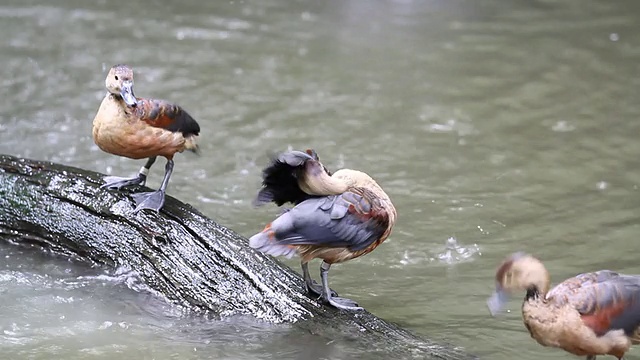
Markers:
<point>322,184</point>
<point>533,293</point>
<point>116,97</point>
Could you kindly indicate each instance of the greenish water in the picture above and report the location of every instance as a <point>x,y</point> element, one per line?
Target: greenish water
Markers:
<point>507,125</point>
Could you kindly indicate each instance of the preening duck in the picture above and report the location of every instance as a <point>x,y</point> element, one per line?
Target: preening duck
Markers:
<point>140,128</point>
<point>336,217</point>
<point>595,313</point>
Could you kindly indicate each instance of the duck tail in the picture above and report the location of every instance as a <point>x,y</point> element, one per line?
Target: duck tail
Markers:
<point>266,242</point>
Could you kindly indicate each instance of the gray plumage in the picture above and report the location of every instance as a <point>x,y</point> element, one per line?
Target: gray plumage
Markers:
<point>325,221</point>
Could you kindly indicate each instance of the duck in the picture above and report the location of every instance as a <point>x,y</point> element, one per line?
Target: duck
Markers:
<point>594,313</point>
<point>139,128</point>
<point>335,217</point>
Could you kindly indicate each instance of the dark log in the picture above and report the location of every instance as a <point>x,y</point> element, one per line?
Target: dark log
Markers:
<point>180,254</point>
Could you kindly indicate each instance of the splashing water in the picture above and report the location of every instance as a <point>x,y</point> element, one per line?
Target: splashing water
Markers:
<point>455,253</point>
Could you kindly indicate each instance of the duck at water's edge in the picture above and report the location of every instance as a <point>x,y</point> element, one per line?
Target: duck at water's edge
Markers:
<point>140,128</point>
<point>335,218</point>
<point>591,314</point>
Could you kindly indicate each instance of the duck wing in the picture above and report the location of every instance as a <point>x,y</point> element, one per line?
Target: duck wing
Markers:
<point>606,300</point>
<point>354,219</point>
<point>163,114</point>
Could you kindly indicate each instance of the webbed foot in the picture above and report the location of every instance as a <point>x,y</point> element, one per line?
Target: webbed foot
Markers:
<point>343,303</point>
<point>115,182</point>
<point>149,200</point>
<point>316,289</point>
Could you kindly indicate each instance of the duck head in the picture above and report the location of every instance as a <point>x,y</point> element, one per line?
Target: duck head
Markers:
<point>518,272</point>
<point>120,82</point>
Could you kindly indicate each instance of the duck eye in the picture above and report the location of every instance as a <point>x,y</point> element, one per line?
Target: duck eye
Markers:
<point>508,276</point>
<point>116,77</point>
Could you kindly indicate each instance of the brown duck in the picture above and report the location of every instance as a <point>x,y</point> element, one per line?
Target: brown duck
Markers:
<point>140,128</point>
<point>335,218</point>
<point>596,313</point>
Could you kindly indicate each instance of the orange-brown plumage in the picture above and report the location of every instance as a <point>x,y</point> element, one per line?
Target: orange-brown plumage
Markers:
<point>156,113</point>
<point>337,217</point>
<point>591,314</point>
<point>140,128</point>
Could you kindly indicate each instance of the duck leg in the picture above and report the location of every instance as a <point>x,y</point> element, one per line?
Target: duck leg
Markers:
<point>312,286</point>
<point>155,199</point>
<point>340,303</point>
<point>115,182</point>
<point>591,357</point>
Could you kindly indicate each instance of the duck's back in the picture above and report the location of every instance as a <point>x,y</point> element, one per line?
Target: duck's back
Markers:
<point>581,289</point>
<point>592,313</point>
<point>359,179</point>
<point>166,115</point>
<point>606,300</point>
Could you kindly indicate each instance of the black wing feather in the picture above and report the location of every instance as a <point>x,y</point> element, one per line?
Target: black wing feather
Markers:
<point>280,178</point>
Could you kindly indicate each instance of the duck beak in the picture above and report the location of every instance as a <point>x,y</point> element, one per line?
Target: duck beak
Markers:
<point>126,91</point>
<point>497,301</point>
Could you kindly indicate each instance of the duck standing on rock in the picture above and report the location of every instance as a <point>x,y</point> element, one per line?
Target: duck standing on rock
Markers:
<point>591,314</point>
<point>335,218</point>
<point>140,128</point>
